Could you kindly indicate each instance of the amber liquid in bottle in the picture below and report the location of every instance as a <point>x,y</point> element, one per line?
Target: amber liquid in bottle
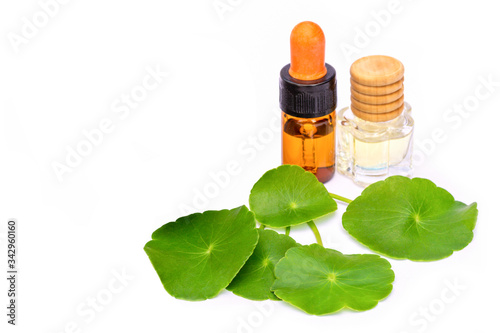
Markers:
<point>310,143</point>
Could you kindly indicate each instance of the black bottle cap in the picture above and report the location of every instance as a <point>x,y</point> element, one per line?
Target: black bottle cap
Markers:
<point>308,99</point>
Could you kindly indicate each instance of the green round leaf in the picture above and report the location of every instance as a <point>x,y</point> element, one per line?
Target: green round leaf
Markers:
<point>321,281</point>
<point>198,255</point>
<point>289,195</point>
<point>410,219</point>
<point>255,279</point>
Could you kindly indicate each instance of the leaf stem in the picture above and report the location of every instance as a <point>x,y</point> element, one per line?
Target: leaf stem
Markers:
<point>338,197</point>
<point>316,232</point>
<point>287,231</point>
<point>262,227</point>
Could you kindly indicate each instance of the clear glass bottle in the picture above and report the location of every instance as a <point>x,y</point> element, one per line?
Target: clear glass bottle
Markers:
<point>369,151</point>
<point>375,134</point>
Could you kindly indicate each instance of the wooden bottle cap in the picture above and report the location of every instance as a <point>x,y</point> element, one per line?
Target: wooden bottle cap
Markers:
<point>378,108</point>
<point>377,90</point>
<point>378,117</point>
<point>374,99</point>
<point>376,71</point>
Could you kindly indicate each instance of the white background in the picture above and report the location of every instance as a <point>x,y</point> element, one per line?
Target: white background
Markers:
<point>221,93</point>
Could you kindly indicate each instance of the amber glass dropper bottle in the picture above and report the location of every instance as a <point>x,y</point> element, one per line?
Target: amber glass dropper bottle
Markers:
<point>308,98</point>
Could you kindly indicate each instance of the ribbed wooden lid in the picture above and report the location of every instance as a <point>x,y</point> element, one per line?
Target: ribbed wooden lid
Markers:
<point>377,89</point>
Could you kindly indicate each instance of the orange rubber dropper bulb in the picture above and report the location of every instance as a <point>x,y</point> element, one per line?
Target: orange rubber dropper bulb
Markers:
<point>307,49</point>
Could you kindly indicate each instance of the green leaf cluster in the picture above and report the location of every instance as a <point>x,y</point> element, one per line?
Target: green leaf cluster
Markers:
<point>198,256</point>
